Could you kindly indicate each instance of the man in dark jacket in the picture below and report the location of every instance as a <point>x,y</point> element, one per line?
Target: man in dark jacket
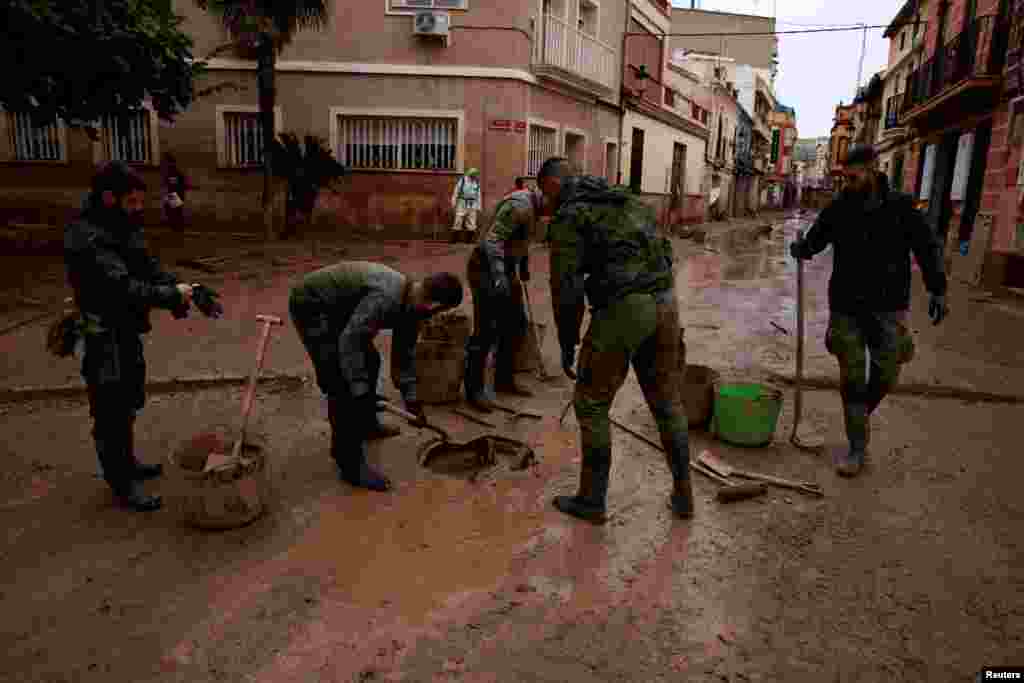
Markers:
<point>116,283</point>
<point>873,232</point>
<point>338,310</point>
<point>605,249</point>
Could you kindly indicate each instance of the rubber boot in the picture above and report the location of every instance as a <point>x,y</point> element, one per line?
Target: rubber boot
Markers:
<point>504,373</point>
<point>677,455</point>
<point>858,433</point>
<point>141,471</point>
<point>112,447</point>
<point>357,471</point>
<point>132,496</point>
<point>589,503</point>
<point>474,380</point>
<point>681,500</point>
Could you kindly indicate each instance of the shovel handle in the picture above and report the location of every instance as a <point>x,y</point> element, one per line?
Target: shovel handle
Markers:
<point>735,492</point>
<point>412,419</point>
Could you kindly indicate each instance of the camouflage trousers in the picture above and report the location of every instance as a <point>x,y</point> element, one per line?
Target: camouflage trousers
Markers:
<point>642,331</point>
<point>866,380</point>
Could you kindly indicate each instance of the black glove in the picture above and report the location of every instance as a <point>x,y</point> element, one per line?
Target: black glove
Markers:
<point>798,250</point>
<point>568,360</point>
<point>416,408</point>
<point>206,300</point>
<point>937,309</point>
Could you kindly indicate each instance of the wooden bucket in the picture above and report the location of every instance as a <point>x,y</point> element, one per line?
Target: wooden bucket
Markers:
<point>440,368</point>
<point>220,499</point>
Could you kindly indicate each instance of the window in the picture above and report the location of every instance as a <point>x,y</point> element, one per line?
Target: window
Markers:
<point>903,39</point>
<point>31,141</point>
<point>575,150</point>
<point>588,14</point>
<point>670,97</point>
<point>239,137</point>
<point>429,4</point>
<point>542,143</point>
<point>129,138</point>
<point>398,143</point>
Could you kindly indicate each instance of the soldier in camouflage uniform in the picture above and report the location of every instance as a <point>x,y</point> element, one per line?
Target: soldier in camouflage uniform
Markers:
<point>338,310</point>
<point>604,246</point>
<point>116,283</point>
<point>872,231</point>
<point>496,268</point>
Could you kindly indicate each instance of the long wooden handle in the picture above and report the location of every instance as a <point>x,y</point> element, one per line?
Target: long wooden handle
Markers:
<point>798,396</point>
<point>412,419</point>
<point>735,492</point>
<point>250,390</point>
<point>542,372</point>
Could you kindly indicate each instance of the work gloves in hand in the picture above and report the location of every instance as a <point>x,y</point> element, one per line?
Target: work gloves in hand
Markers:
<point>937,309</point>
<point>798,250</point>
<point>568,360</point>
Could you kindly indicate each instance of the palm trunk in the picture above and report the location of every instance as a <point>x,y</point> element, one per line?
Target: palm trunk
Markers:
<point>265,86</point>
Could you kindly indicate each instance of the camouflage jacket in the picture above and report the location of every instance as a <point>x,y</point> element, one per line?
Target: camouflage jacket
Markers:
<point>872,241</point>
<point>367,298</point>
<point>507,241</point>
<point>604,245</point>
<point>115,281</point>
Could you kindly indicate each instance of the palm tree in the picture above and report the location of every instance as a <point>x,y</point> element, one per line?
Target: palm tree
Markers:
<point>260,30</point>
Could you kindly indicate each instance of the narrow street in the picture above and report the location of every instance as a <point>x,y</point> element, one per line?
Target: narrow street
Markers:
<point>913,571</point>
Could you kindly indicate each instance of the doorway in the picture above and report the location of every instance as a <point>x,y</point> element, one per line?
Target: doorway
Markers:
<point>636,161</point>
<point>575,145</point>
<point>975,180</point>
<point>611,162</point>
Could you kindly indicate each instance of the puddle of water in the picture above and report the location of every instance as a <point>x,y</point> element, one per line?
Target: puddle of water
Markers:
<point>442,538</point>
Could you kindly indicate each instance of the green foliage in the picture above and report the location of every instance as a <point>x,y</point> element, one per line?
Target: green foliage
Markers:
<point>82,59</point>
<point>251,21</point>
<point>308,167</point>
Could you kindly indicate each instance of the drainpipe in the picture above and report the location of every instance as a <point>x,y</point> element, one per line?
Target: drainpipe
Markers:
<point>622,102</point>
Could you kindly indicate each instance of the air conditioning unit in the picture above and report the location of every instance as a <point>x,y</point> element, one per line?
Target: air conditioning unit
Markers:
<point>431,24</point>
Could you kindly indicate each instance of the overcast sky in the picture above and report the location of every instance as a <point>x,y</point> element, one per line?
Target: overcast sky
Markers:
<point>818,70</point>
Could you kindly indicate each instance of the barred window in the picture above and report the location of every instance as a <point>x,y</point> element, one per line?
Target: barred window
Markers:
<point>429,4</point>
<point>243,140</point>
<point>128,137</point>
<point>398,143</point>
<point>34,142</point>
<point>543,144</point>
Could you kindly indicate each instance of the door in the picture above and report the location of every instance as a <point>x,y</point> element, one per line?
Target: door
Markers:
<point>678,188</point>
<point>897,173</point>
<point>975,180</point>
<point>940,207</point>
<point>636,161</point>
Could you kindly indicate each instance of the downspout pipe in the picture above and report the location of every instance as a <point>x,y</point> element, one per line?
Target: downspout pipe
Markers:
<point>622,102</point>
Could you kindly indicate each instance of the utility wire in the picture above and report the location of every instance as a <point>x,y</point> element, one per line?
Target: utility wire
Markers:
<point>758,33</point>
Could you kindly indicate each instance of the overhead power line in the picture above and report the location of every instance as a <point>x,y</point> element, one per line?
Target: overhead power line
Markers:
<point>758,33</point>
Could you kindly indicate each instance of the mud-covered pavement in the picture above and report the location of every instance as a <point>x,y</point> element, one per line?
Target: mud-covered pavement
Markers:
<point>910,572</point>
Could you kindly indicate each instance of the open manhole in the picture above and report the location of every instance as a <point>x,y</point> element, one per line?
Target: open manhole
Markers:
<point>482,458</point>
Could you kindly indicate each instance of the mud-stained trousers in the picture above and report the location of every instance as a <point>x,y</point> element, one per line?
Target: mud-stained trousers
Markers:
<point>849,338</point>
<point>641,330</point>
<point>497,321</point>
<point>114,371</point>
<point>320,333</point>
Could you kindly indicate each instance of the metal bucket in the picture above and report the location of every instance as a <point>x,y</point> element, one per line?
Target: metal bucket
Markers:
<point>220,499</point>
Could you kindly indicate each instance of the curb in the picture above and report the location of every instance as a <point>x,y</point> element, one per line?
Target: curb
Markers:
<point>159,386</point>
<point>912,389</point>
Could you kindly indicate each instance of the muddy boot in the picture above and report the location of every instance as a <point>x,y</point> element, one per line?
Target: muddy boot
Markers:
<point>474,380</point>
<point>677,455</point>
<point>504,375</point>
<point>356,471</point>
<point>681,500</point>
<point>589,503</point>
<point>131,496</point>
<point>857,433</point>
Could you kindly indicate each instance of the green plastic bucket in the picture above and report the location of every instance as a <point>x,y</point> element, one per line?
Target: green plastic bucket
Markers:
<point>746,414</point>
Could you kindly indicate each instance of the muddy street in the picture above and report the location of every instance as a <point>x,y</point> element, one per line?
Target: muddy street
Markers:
<point>912,571</point>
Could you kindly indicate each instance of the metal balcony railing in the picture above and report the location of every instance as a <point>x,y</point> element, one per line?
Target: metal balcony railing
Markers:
<point>893,107</point>
<point>971,54</point>
<point>569,49</point>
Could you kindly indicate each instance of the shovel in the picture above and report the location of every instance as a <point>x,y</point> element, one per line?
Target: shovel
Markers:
<point>483,446</point>
<point>726,470</point>
<point>542,372</point>
<point>798,403</point>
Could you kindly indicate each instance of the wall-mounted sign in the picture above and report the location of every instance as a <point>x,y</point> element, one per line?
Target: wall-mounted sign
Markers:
<point>508,125</point>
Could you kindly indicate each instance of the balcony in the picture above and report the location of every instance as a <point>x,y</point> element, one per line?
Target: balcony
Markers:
<point>961,78</point>
<point>564,53</point>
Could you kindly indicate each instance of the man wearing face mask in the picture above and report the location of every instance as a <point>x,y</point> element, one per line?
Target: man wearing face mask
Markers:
<point>873,232</point>
<point>337,311</point>
<point>116,283</point>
